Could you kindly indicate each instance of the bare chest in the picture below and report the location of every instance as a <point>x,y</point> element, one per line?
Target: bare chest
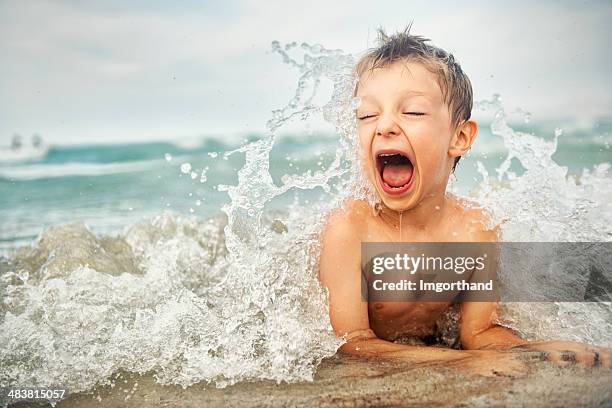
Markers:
<point>391,320</point>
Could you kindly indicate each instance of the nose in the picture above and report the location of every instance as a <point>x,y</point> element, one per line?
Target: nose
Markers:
<point>387,126</point>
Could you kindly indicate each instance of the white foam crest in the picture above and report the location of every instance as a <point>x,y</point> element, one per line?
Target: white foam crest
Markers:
<point>24,153</point>
<point>45,171</point>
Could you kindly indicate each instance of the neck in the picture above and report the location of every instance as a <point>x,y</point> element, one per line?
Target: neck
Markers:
<point>428,213</point>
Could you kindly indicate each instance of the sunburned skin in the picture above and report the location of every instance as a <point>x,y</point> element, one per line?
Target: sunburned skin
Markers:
<point>408,148</point>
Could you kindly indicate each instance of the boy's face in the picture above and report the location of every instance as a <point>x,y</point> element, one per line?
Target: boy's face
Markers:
<point>405,133</point>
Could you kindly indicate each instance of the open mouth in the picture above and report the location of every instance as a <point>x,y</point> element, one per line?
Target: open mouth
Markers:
<point>395,170</point>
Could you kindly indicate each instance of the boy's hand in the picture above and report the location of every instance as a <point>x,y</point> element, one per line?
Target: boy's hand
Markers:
<point>490,363</point>
<point>569,352</point>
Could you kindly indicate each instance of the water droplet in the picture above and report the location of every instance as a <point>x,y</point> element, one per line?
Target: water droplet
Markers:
<point>203,176</point>
<point>168,157</point>
<point>185,168</point>
<point>194,175</point>
<point>198,202</point>
<point>191,210</point>
<point>213,154</point>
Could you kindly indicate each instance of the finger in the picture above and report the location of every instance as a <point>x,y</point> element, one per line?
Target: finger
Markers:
<point>591,358</point>
<point>605,360</point>
<point>569,356</point>
<point>562,358</point>
<point>534,356</point>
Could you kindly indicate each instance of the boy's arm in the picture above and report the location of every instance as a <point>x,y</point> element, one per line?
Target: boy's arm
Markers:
<point>478,332</point>
<point>340,272</point>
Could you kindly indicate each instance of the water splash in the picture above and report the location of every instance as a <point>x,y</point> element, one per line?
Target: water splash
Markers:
<point>219,301</point>
<point>546,204</point>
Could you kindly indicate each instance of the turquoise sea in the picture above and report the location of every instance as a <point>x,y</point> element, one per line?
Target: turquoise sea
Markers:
<point>110,186</point>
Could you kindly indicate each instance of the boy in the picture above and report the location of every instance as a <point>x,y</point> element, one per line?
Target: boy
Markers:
<point>414,125</point>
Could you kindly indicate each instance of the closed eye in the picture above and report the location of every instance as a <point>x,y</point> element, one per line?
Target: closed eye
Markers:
<point>415,113</point>
<point>366,117</point>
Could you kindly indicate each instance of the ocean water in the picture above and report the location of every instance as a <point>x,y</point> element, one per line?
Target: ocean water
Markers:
<point>114,185</point>
<point>196,260</point>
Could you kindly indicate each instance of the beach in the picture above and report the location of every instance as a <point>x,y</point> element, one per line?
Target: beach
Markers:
<point>346,382</point>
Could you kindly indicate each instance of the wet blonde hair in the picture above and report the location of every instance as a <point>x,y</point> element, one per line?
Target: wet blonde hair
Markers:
<point>402,46</point>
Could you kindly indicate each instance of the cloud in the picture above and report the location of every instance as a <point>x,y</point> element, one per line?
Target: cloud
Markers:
<point>89,70</point>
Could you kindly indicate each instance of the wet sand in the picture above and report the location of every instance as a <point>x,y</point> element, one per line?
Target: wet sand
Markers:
<point>345,382</point>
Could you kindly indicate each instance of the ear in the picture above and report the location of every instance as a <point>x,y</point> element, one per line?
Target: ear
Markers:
<point>463,138</point>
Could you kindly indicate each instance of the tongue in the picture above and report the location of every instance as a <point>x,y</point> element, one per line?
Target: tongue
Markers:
<point>396,175</point>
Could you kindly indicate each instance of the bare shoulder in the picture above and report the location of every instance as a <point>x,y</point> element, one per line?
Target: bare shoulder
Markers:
<point>347,222</point>
<point>476,220</point>
<point>341,241</point>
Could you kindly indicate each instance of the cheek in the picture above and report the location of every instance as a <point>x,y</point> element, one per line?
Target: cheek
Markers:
<point>431,148</point>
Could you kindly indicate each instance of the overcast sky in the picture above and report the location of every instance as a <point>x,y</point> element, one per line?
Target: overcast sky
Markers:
<point>102,71</point>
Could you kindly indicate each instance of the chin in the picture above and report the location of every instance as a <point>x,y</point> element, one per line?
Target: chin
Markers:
<point>400,205</point>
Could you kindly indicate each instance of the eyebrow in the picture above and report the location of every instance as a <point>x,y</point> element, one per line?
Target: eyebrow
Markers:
<point>403,93</point>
